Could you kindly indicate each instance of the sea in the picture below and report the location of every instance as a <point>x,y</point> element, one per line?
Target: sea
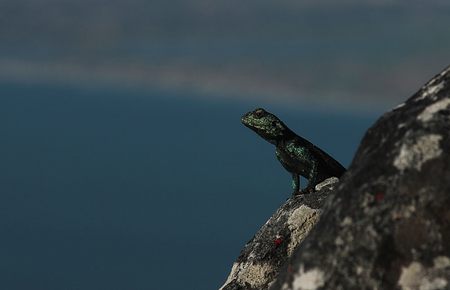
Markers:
<point>107,188</point>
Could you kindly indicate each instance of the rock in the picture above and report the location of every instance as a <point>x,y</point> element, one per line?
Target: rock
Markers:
<point>262,257</point>
<point>327,183</point>
<point>386,225</point>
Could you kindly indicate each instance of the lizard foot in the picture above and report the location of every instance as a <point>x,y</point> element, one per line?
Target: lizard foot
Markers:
<point>307,190</point>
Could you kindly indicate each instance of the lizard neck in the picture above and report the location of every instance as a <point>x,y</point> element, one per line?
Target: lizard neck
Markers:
<point>288,134</point>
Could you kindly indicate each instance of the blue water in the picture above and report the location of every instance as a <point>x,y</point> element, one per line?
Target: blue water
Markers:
<point>121,189</point>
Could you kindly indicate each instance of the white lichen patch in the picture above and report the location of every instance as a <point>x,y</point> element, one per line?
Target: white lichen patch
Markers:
<point>404,212</point>
<point>285,286</point>
<point>399,106</point>
<point>359,270</point>
<point>441,262</point>
<point>370,230</point>
<point>433,284</point>
<point>339,241</point>
<point>327,182</point>
<point>366,200</point>
<point>301,221</point>
<point>347,221</point>
<point>415,155</point>
<point>429,111</point>
<point>416,277</point>
<point>309,280</point>
<point>445,71</point>
<point>411,276</point>
<point>233,275</point>
<point>255,274</point>
<point>252,254</point>
<point>430,90</point>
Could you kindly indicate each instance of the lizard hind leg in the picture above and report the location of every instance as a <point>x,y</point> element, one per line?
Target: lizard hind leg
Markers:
<point>295,183</point>
<point>312,180</point>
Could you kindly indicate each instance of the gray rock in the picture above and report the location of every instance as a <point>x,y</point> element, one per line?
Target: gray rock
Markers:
<point>264,255</point>
<point>387,224</point>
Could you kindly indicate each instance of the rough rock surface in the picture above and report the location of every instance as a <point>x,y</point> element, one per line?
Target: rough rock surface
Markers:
<point>386,225</point>
<point>264,255</point>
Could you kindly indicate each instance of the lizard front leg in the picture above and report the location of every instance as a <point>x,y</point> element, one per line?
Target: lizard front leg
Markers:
<point>295,183</point>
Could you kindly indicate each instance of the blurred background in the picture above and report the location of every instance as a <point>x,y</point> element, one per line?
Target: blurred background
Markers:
<point>124,164</point>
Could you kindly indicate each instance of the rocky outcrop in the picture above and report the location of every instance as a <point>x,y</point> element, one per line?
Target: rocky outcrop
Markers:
<point>262,257</point>
<point>385,225</point>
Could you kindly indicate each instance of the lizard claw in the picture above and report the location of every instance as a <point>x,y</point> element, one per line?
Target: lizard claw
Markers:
<point>307,190</point>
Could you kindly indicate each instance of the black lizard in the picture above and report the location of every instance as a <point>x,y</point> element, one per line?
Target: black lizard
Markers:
<point>296,154</point>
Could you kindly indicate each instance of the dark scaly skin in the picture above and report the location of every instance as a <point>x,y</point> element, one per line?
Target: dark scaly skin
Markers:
<point>296,154</point>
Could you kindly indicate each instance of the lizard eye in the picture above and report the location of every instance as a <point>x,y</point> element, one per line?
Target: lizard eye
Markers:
<point>259,113</point>
<point>274,123</point>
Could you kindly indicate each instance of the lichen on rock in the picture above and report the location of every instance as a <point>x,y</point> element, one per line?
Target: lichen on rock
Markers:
<point>262,257</point>
<point>425,148</point>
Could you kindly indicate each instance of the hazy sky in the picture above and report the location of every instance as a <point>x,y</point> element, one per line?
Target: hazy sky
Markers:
<point>351,55</point>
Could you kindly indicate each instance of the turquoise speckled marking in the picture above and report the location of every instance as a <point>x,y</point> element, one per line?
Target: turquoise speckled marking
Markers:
<point>300,152</point>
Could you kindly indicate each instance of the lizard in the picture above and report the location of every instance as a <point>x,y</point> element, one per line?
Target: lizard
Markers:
<point>297,155</point>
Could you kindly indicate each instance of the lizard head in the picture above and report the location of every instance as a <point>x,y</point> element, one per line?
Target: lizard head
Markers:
<point>264,124</point>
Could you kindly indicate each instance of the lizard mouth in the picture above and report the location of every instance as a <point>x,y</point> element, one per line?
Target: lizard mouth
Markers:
<point>247,123</point>
<point>244,119</point>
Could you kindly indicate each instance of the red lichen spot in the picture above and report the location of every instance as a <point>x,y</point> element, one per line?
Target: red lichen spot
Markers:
<point>278,241</point>
<point>290,269</point>
<point>379,196</point>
